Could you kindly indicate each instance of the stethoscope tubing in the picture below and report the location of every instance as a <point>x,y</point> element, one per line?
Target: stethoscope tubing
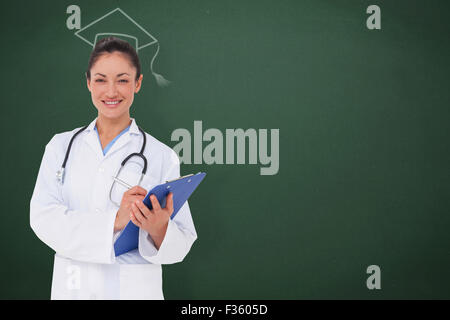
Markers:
<point>60,174</point>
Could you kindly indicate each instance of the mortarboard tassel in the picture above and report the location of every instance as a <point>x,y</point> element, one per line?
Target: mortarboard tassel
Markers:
<point>160,80</point>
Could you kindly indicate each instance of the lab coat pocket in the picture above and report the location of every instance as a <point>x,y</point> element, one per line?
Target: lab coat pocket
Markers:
<point>64,193</point>
<point>132,178</point>
<point>61,193</point>
<point>129,177</point>
<point>141,282</point>
<point>69,279</point>
<point>149,182</point>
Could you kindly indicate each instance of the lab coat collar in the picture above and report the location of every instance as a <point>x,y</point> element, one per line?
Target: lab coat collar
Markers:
<point>91,138</point>
<point>134,129</point>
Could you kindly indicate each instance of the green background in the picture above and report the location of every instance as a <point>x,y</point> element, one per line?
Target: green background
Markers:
<point>364,140</point>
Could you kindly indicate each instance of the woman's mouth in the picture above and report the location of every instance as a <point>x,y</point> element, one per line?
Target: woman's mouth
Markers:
<point>111,103</point>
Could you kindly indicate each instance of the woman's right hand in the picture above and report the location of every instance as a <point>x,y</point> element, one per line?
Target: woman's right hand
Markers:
<point>136,193</point>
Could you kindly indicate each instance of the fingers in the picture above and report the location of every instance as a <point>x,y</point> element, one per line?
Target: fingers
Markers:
<point>167,210</point>
<point>152,220</point>
<point>134,220</point>
<point>155,202</point>
<point>169,204</point>
<point>133,199</point>
<point>137,190</point>
<point>143,208</point>
<point>136,212</point>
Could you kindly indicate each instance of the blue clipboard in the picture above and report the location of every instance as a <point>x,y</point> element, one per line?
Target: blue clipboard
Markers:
<point>182,188</point>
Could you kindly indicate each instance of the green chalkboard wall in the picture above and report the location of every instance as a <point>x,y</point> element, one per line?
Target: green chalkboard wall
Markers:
<point>363,118</point>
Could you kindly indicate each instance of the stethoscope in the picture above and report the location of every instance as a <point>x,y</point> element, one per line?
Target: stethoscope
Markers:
<point>60,173</point>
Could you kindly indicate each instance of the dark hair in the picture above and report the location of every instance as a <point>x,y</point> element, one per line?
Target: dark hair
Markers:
<point>110,45</point>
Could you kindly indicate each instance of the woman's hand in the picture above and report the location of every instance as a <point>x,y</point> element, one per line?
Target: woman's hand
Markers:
<point>153,221</point>
<point>134,194</point>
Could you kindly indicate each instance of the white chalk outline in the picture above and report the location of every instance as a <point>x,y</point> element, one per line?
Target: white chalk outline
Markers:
<point>159,78</point>
<point>154,40</point>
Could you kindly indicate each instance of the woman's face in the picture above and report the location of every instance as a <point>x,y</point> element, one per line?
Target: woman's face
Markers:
<point>113,85</point>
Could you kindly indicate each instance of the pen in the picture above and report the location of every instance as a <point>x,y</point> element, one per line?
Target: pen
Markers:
<point>126,185</point>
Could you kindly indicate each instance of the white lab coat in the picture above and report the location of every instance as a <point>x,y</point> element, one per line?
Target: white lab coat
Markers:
<point>76,219</point>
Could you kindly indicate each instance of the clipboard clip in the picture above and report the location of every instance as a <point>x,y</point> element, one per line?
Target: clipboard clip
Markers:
<point>188,175</point>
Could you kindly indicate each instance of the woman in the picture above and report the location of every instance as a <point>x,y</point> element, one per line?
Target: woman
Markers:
<point>82,213</point>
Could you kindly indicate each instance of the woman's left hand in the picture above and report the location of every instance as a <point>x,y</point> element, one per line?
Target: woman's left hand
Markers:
<point>153,221</point>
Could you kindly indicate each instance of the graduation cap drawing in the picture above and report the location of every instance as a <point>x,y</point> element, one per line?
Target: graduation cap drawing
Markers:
<point>117,23</point>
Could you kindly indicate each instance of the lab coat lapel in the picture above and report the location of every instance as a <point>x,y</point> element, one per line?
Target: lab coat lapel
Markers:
<point>123,140</point>
<point>91,139</point>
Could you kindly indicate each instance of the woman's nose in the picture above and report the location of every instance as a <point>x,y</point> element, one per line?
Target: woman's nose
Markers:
<point>112,91</point>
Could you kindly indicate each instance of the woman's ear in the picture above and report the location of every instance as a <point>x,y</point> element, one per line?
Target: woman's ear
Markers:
<point>138,84</point>
<point>88,83</point>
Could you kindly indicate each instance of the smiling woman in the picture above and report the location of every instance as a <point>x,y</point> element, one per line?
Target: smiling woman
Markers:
<point>76,215</point>
<point>116,78</point>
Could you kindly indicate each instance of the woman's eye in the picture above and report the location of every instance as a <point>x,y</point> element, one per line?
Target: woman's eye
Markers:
<point>99,80</point>
<point>123,81</point>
